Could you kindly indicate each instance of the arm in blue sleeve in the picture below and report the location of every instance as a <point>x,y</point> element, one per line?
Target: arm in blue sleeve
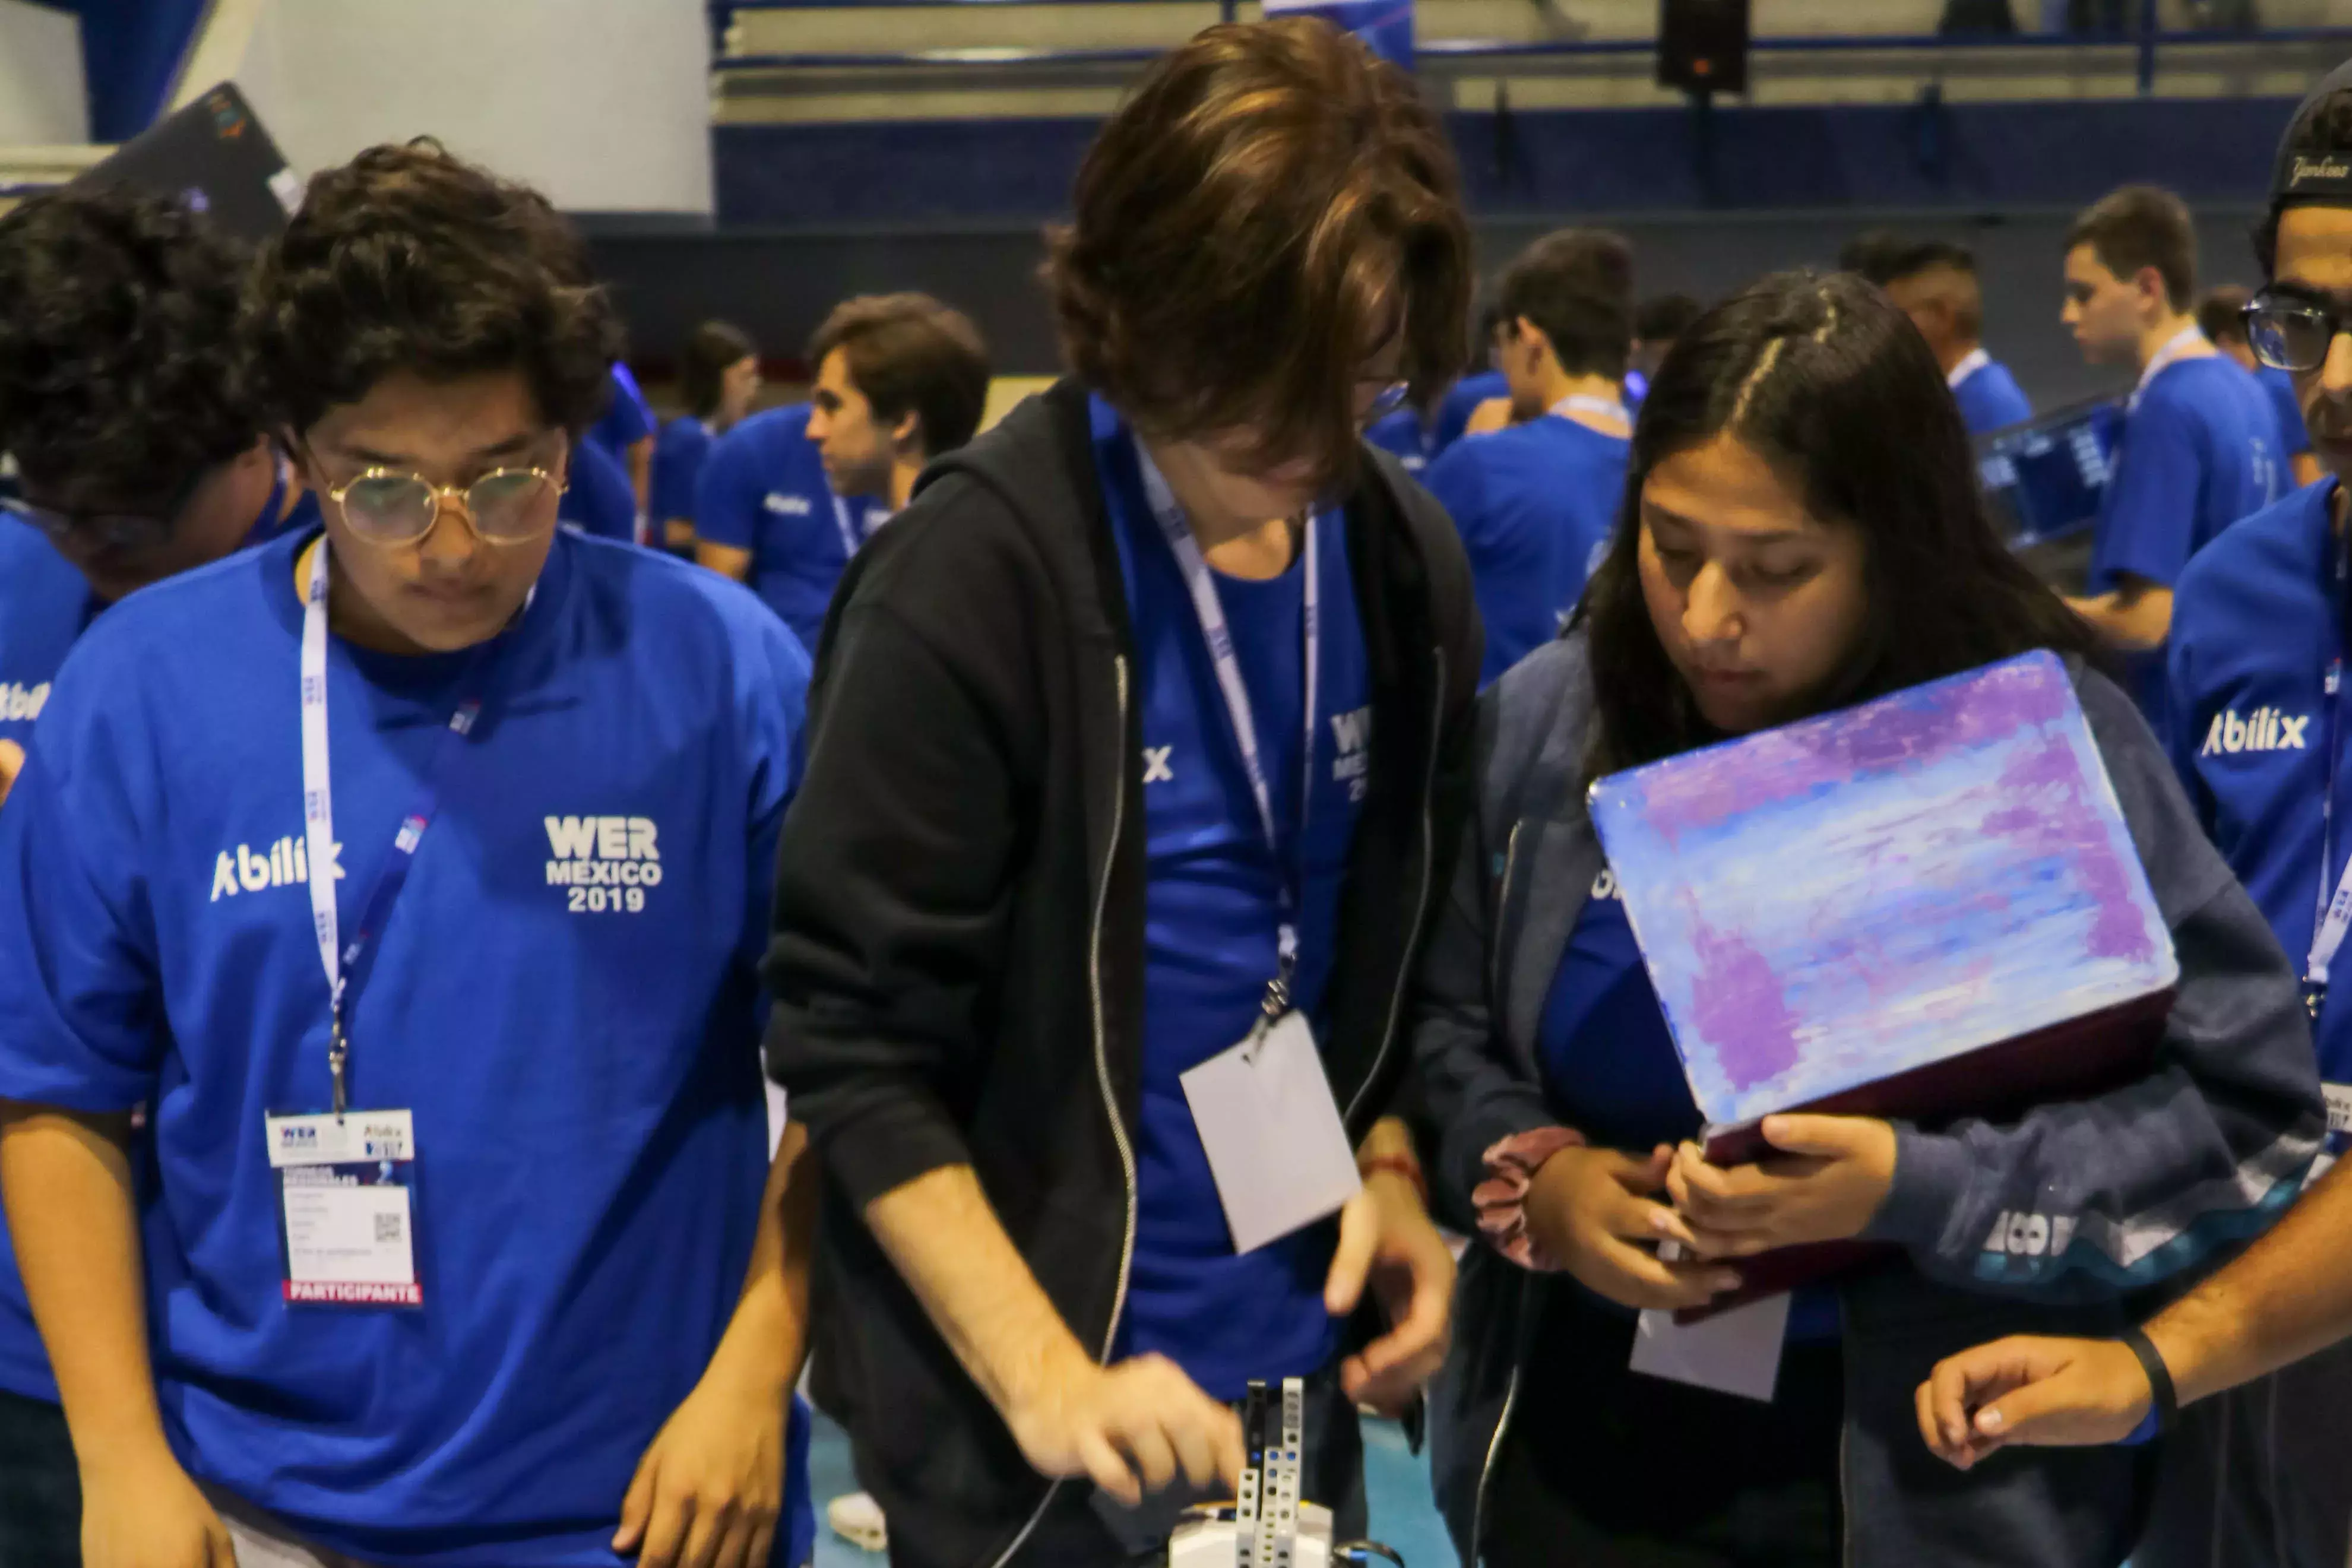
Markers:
<point>1511,570</point>
<point>78,983</point>
<point>728,496</point>
<point>2148,526</point>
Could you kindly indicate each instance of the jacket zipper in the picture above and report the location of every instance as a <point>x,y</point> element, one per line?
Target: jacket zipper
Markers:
<point>1102,1077</point>
<point>1494,1452</point>
<point>1501,913</point>
<point>1421,902</point>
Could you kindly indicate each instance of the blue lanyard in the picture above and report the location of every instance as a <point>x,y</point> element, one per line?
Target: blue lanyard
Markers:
<point>341,958</point>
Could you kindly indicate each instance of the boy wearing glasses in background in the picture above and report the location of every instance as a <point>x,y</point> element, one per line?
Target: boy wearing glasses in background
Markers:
<point>412,874</point>
<point>2258,733</point>
<point>141,457</point>
<point>1536,503</point>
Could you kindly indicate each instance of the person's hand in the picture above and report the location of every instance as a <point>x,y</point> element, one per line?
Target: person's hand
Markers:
<point>12,762</point>
<point>2056,1393</point>
<point>1130,1428</point>
<point>1592,1209</point>
<point>149,1514</point>
<point>1387,1241</point>
<point>1828,1179</point>
<point>707,1492</point>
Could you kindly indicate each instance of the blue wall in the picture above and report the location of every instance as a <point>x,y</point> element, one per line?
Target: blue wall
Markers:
<point>131,50</point>
<point>1969,157</point>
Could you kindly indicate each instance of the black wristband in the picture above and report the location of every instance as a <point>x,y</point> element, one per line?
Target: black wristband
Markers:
<point>2159,1378</point>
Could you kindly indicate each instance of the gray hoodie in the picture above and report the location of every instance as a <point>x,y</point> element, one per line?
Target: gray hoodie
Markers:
<point>2147,1182</point>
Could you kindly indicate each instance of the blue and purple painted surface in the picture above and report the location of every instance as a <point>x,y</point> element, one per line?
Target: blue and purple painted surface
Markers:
<point>1827,905</point>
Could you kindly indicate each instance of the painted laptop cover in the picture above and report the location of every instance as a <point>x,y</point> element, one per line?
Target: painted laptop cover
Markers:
<point>1925,906</point>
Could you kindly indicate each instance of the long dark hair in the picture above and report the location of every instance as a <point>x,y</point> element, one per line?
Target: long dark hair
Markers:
<point>1832,385</point>
<point>713,349</point>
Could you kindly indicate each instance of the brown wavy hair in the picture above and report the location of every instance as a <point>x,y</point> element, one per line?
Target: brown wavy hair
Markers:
<point>1248,227</point>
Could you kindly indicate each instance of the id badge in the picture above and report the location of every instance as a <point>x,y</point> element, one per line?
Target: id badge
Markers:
<point>1276,1148</point>
<point>347,1211</point>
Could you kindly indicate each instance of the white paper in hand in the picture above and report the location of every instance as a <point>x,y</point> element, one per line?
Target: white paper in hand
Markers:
<point>1273,1134</point>
<point>1737,1352</point>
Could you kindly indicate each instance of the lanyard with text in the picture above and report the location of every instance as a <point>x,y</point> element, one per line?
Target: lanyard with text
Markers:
<point>2335,912</point>
<point>1598,407</point>
<point>852,536</point>
<point>2188,338</point>
<point>1202,584</point>
<point>342,958</point>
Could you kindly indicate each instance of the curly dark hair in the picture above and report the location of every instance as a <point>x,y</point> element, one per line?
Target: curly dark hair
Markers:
<point>1827,380</point>
<point>117,346</point>
<point>408,258</point>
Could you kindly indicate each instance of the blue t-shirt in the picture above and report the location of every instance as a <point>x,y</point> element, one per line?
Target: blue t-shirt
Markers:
<point>627,419</point>
<point>1609,1065</point>
<point>1461,401</point>
<point>599,500</point>
<point>1991,400</point>
<point>1536,504</point>
<point>45,604</point>
<point>763,490</point>
<point>566,996</point>
<point>678,456</point>
<point>1403,434</point>
<point>2254,623</point>
<point>1211,903</point>
<point>2198,453</point>
<point>2294,438</point>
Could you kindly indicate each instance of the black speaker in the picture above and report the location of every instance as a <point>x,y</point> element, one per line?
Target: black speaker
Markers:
<point>1703,45</point>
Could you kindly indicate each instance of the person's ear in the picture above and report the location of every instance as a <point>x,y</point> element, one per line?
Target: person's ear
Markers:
<point>906,435</point>
<point>2149,283</point>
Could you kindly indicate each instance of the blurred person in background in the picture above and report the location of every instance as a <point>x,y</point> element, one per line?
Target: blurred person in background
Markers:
<point>1138,742</point>
<point>1482,388</point>
<point>717,376</point>
<point>386,841</point>
<point>2221,316</point>
<point>2199,448</point>
<point>1657,324</point>
<point>1536,503</point>
<point>1934,282</point>
<point>597,500</point>
<point>143,455</point>
<point>2259,1461</point>
<point>790,496</point>
<point>625,433</point>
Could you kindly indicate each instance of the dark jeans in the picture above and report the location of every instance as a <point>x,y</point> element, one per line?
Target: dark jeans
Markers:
<point>1076,1533</point>
<point>40,1489</point>
<point>1608,1468</point>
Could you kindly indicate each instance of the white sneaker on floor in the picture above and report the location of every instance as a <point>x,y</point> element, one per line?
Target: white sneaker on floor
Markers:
<point>857,1519</point>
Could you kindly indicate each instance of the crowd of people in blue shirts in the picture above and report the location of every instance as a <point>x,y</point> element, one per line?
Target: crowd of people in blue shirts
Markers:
<point>527,927</point>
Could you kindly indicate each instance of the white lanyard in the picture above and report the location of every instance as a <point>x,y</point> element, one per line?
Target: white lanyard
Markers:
<point>1202,584</point>
<point>2334,917</point>
<point>852,536</point>
<point>1600,407</point>
<point>2188,338</point>
<point>337,958</point>
<point>1970,363</point>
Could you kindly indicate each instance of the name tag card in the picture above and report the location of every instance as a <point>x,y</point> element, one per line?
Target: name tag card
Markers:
<point>345,1189</point>
<point>1275,1141</point>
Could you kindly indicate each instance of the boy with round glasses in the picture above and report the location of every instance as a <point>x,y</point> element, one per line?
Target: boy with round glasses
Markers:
<point>2259,733</point>
<point>412,874</point>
